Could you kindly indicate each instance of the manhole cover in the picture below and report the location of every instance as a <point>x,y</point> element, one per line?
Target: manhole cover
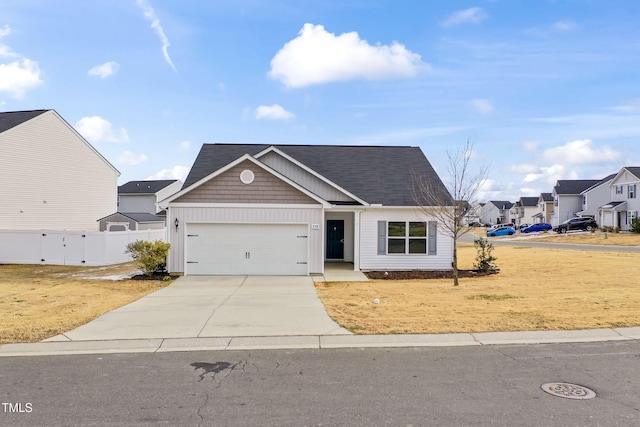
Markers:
<point>569,391</point>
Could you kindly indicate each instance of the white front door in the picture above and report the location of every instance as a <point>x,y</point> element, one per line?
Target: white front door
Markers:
<point>271,249</point>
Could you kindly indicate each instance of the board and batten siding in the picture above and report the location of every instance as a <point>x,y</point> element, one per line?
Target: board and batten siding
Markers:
<point>236,215</point>
<point>371,260</point>
<point>52,178</point>
<point>304,178</point>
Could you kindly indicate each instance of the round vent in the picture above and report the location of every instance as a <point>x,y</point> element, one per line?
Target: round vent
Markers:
<point>246,176</point>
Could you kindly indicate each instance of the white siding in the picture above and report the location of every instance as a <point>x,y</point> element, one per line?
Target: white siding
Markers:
<point>51,178</point>
<point>141,203</point>
<point>304,178</point>
<point>369,258</point>
<point>596,197</point>
<point>293,215</point>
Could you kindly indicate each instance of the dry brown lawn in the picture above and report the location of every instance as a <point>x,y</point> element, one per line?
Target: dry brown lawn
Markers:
<point>41,301</point>
<point>536,289</point>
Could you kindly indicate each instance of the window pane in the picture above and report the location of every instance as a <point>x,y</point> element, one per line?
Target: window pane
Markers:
<point>397,229</point>
<point>417,229</point>
<point>418,246</point>
<point>396,246</point>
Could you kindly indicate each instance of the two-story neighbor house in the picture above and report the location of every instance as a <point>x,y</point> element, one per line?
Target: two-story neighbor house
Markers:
<point>50,176</point>
<point>545,208</point>
<point>524,210</point>
<point>596,196</point>
<point>624,201</point>
<point>138,205</point>
<point>288,209</point>
<point>496,212</point>
<point>567,198</point>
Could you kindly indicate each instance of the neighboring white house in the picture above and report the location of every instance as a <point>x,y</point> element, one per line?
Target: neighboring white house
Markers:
<point>50,176</point>
<point>288,209</point>
<point>567,198</point>
<point>144,196</point>
<point>624,202</point>
<point>496,212</point>
<point>545,208</point>
<point>523,211</point>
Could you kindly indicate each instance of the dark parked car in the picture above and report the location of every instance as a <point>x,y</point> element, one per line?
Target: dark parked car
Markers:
<point>542,226</point>
<point>578,223</point>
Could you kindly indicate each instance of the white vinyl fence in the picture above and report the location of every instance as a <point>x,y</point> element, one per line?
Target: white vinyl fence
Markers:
<point>70,247</point>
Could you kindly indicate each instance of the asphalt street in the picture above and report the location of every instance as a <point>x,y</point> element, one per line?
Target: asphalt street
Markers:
<point>498,385</point>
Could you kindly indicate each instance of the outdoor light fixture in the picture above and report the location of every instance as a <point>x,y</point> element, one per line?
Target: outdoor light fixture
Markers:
<point>176,223</point>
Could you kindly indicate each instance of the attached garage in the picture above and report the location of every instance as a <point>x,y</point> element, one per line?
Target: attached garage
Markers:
<point>247,248</point>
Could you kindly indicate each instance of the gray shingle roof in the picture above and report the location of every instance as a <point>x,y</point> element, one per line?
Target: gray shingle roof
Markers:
<point>375,174</point>
<point>573,186</point>
<point>528,201</point>
<point>138,216</point>
<point>11,119</point>
<point>144,187</point>
<point>634,170</point>
<point>547,197</point>
<point>502,204</point>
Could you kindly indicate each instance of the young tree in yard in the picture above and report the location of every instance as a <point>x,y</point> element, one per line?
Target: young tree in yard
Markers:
<point>463,182</point>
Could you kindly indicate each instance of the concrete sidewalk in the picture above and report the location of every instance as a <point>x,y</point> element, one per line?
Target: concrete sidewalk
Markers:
<point>316,342</point>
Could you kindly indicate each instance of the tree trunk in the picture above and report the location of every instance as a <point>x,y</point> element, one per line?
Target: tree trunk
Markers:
<point>454,264</point>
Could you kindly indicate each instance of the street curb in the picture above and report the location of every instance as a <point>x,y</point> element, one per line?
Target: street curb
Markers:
<point>316,342</point>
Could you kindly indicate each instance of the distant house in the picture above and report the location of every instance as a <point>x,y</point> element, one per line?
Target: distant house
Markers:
<point>524,210</point>
<point>288,209</point>
<point>496,212</point>
<point>596,196</point>
<point>544,209</point>
<point>624,202</point>
<point>52,178</point>
<point>567,198</point>
<point>143,196</point>
<point>132,221</point>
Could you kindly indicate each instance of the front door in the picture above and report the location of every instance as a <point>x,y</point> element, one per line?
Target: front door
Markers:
<point>335,239</point>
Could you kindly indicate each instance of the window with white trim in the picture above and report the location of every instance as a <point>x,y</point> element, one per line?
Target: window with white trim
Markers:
<point>632,191</point>
<point>406,237</point>
<point>631,215</point>
<point>619,189</point>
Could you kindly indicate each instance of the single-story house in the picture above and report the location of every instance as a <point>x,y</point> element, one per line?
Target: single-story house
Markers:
<point>125,221</point>
<point>288,209</point>
<point>52,178</point>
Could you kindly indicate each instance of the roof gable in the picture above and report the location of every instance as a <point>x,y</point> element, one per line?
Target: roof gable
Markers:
<point>573,186</point>
<point>501,204</point>
<point>12,119</point>
<point>627,173</point>
<point>145,187</point>
<point>374,174</point>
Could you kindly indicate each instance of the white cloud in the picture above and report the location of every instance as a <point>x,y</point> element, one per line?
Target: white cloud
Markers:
<point>130,159</point>
<point>317,56</point>
<point>17,73</point>
<point>523,168</point>
<point>563,26</point>
<point>581,151</point>
<point>273,112</point>
<point>473,15</point>
<point>97,129</point>
<point>151,16</point>
<point>482,106</point>
<point>630,106</point>
<point>105,70</point>
<point>530,145</point>
<point>185,145</point>
<point>177,172</point>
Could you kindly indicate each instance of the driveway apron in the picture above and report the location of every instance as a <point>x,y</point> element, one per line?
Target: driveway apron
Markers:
<point>218,306</point>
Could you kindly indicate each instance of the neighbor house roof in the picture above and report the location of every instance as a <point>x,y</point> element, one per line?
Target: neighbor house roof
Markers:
<point>376,174</point>
<point>138,216</point>
<point>546,197</point>
<point>573,186</point>
<point>12,119</point>
<point>528,201</point>
<point>144,187</point>
<point>634,170</point>
<point>502,204</point>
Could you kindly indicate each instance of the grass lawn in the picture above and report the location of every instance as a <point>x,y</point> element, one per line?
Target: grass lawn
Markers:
<point>536,289</point>
<point>40,301</point>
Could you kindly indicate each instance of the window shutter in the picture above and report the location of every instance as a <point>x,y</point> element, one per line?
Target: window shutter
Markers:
<point>382,237</point>
<point>433,238</point>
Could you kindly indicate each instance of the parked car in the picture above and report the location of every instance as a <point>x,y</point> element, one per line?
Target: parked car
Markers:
<point>543,226</point>
<point>577,223</point>
<point>475,224</point>
<point>509,224</point>
<point>502,230</point>
<point>525,225</point>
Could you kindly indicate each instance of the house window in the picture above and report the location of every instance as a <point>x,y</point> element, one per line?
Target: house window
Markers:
<point>618,189</point>
<point>555,202</point>
<point>632,191</point>
<point>406,237</point>
<point>584,200</point>
<point>631,215</point>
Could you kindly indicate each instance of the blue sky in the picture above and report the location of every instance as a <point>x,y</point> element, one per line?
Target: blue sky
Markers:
<point>544,90</point>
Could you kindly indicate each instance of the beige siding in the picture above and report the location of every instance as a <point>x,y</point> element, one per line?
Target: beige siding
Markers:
<point>51,178</point>
<point>245,215</point>
<point>227,188</point>
<point>369,258</point>
<point>304,178</point>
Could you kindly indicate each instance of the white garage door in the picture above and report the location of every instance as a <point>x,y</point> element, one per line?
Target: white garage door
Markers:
<point>274,249</point>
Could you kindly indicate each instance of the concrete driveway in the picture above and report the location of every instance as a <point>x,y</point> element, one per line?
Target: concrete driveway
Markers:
<point>217,306</point>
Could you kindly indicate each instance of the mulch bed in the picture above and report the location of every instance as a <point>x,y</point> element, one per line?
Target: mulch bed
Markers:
<point>425,274</point>
<point>154,276</point>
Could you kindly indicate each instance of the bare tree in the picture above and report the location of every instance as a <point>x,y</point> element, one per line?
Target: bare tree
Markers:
<point>463,183</point>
